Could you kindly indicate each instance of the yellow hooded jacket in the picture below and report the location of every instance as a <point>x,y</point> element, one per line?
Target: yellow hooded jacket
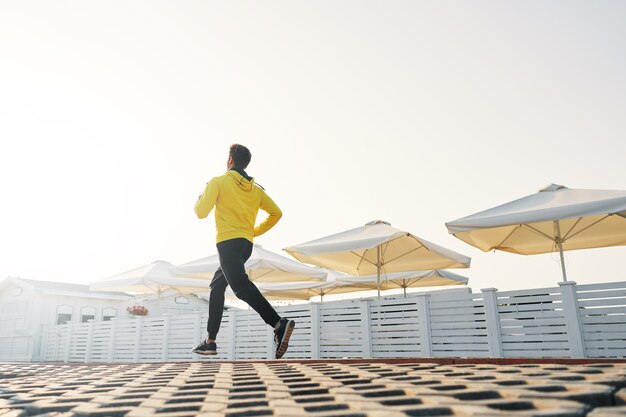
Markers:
<point>237,202</point>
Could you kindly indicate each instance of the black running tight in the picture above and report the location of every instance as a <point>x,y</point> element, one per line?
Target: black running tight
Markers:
<point>233,255</point>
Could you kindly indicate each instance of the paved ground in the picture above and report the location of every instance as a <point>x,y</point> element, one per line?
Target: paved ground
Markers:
<point>324,389</point>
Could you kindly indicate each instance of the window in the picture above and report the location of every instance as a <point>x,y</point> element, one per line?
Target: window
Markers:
<point>17,291</point>
<point>87,313</point>
<point>108,313</point>
<point>64,314</point>
<point>181,300</point>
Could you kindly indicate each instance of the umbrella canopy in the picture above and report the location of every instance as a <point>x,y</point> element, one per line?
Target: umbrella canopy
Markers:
<point>555,218</point>
<point>263,266</point>
<point>297,290</point>
<point>152,278</point>
<point>404,280</point>
<point>338,283</point>
<point>305,290</point>
<point>355,251</point>
<point>374,248</point>
<point>301,290</point>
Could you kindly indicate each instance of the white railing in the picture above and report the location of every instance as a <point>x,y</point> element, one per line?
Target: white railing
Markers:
<point>565,321</point>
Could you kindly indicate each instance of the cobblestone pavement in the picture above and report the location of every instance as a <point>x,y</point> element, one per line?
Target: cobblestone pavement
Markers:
<point>322,389</point>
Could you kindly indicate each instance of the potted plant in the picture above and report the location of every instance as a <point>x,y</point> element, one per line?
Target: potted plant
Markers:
<point>137,310</point>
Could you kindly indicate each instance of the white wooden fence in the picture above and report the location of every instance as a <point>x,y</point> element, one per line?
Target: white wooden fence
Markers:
<point>565,321</point>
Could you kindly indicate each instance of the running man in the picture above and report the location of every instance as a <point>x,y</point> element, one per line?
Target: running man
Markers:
<point>237,200</point>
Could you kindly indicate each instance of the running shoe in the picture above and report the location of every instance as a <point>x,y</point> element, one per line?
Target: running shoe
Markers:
<point>282,335</point>
<point>205,348</point>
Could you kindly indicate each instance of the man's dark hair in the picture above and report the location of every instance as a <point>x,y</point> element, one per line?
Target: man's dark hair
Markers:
<point>241,155</point>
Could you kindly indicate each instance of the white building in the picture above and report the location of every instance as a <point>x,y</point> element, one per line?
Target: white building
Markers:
<point>26,305</point>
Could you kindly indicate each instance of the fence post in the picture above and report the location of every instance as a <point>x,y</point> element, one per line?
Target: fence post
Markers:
<point>58,334</point>
<point>315,330</point>
<point>112,340</point>
<point>232,334</point>
<point>572,319</point>
<point>423,317</point>
<point>200,335</point>
<point>166,337</point>
<point>492,322</point>
<point>138,328</point>
<point>44,342</point>
<point>269,343</point>
<point>366,339</point>
<point>89,341</point>
<point>197,320</point>
<point>68,343</point>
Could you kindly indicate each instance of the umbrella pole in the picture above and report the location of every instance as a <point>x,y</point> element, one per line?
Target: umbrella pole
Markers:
<point>378,270</point>
<point>560,243</point>
<point>404,287</point>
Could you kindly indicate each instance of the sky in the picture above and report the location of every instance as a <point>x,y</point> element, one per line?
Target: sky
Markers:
<point>114,115</point>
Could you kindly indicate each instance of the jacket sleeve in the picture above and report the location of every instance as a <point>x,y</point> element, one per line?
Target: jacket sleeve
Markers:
<point>268,205</point>
<point>207,200</point>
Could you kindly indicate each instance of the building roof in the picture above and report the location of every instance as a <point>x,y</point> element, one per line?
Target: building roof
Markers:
<point>53,285</point>
<point>75,289</point>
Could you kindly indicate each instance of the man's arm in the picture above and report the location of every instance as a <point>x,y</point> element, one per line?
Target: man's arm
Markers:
<point>207,200</point>
<point>268,205</point>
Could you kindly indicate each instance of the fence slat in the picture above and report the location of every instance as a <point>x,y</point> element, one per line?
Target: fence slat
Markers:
<point>600,286</point>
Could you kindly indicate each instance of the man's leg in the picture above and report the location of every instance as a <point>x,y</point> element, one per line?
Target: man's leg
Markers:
<point>233,254</point>
<point>216,304</point>
<point>216,308</point>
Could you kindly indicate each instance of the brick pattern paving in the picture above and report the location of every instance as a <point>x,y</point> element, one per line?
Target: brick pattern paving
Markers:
<point>324,389</point>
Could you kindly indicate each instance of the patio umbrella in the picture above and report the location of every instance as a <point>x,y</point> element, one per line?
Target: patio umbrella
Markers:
<point>339,283</point>
<point>263,266</point>
<point>299,290</point>
<point>306,290</point>
<point>404,280</point>
<point>555,218</point>
<point>303,290</point>
<point>153,278</point>
<point>374,248</point>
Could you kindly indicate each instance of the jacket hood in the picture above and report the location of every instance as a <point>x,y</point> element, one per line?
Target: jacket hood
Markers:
<point>245,182</point>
